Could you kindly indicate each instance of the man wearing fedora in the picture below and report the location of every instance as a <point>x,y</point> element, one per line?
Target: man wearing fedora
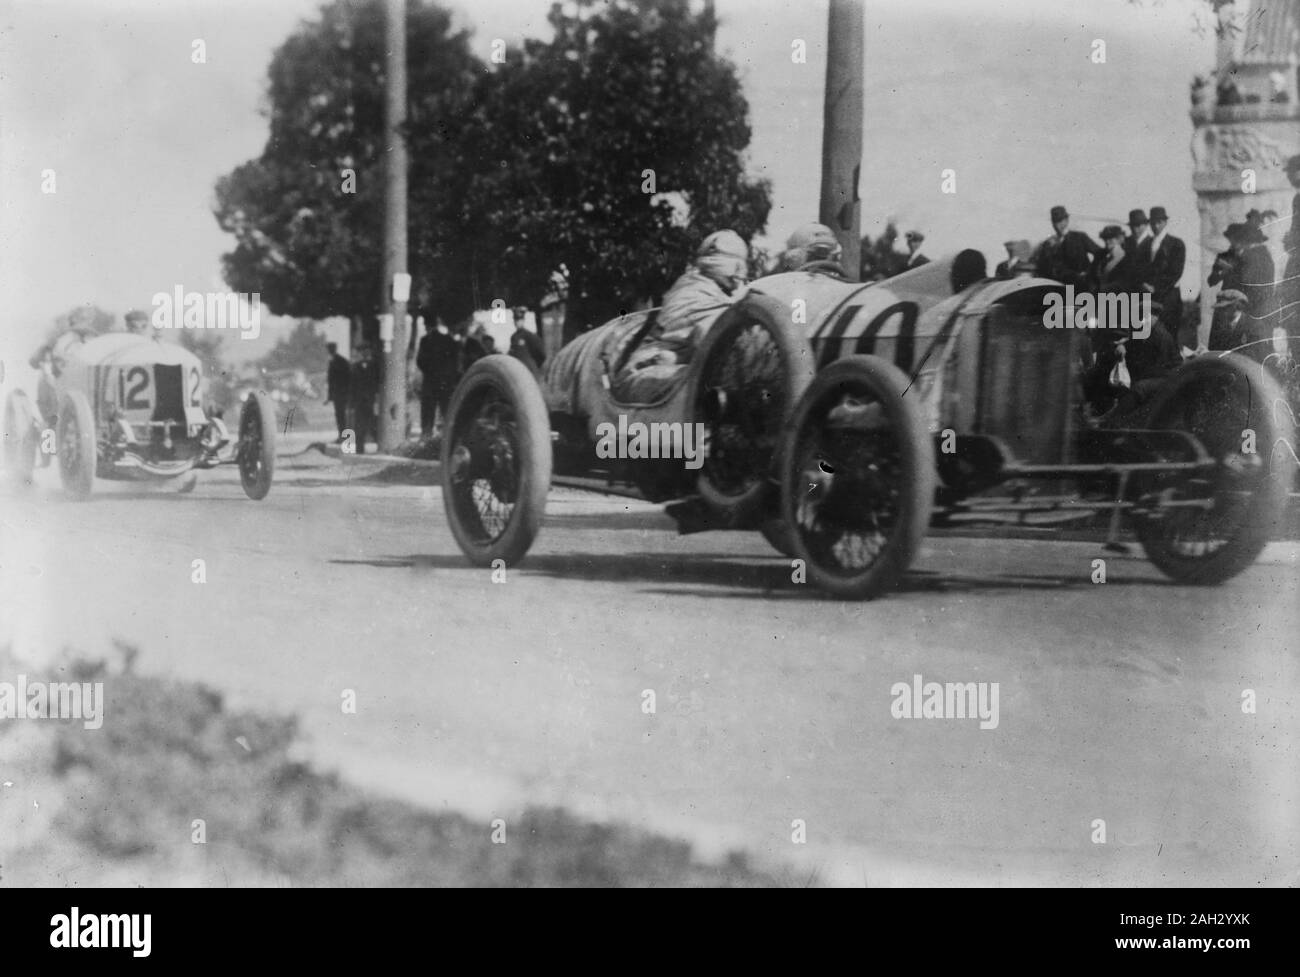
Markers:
<point>1161,259</point>
<point>1288,290</point>
<point>1244,310</point>
<point>1067,255</point>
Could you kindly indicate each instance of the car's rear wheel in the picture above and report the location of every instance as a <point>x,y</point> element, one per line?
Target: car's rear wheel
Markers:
<point>21,436</point>
<point>1229,404</point>
<point>496,461</point>
<point>256,452</point>
<point>857,477</point>
<point>76,445</point>
<point>755,364</point>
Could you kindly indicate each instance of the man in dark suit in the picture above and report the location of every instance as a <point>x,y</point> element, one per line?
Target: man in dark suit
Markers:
<point>1139,230</point>
<point>1288,290</point>
<point>438,360</point>
<point>1161,259</point>
<point>1112,273</point>
<point>337,378</point>
<point>1067,255</point>
<point>365,393</point>
<point>525,345</point>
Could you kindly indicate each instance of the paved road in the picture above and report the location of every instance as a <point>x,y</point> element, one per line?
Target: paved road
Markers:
<point>1118,702</point>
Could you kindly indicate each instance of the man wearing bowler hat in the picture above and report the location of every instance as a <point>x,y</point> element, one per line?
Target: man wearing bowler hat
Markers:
<point>1139,229</point>
<point>1067,255</point>
<point>1161,259</point>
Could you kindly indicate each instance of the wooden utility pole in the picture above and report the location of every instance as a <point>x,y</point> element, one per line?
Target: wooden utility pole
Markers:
<point>842,129</point>
<point>392,404</point>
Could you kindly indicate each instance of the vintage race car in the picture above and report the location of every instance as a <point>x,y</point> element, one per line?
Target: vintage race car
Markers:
<point>126,406</point>
<point>843,420</point>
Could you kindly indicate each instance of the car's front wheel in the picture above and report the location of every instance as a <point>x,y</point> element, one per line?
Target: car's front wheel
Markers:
<point>76,445</point>
<point>857,477</point>
<point>496,461</point>
<point>256,451</point>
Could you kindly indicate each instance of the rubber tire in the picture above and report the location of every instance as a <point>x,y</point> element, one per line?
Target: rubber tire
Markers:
<point>76,469</point>
<point>760,499</point>
<point>516,384</point>
<point>256,488</point>
<point>1268,506</point>
<point>778,535</point>
<point>917,447</point>
<point>20,436</point>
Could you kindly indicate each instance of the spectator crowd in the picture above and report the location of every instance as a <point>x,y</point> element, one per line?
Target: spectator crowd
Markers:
<point>442,358</point>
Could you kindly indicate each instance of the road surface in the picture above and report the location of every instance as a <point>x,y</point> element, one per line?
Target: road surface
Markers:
<point>773,725</point>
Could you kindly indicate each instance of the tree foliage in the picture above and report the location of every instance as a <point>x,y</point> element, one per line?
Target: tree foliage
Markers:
<point>556,154</point>
<point>301,349</point>
<point>302,239</point>
<point>526,177</point>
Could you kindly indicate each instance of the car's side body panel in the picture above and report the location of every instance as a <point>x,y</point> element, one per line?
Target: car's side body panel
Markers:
<point>982,362</point>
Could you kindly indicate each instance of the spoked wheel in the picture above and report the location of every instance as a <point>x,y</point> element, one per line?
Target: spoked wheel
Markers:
<point>20,435</point>
<point>1227,403</point>
<point>76,445</point>
<point>755,364</point>
<point>496,461</point>
<point>256,451</point>
<point>857,477</point>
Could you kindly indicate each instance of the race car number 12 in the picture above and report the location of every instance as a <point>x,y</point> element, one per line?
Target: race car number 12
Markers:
<point>133,389</point>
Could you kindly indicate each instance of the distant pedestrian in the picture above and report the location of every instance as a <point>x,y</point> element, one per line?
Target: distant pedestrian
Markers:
<point>915,259</point>
<point>1139,228</point>
<point>885,260</point>
<point>438,359</point>
<point>1288,290</point>
<point>1019,262</point>
<point>1161,259</point>
<point>474,346</point>
<point>1113,272</point>
<point>364,387</point>
<point>337,379</point>
<point>1244,312</point>
<point>1067,255</point>
<point>525,346</point>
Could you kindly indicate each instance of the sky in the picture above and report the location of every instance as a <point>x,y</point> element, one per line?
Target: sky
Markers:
<point>1003,92</point>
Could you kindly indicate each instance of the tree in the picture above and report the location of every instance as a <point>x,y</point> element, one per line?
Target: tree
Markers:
<point>605,154</point>
<point>301,349</point>
<point>307,214</point>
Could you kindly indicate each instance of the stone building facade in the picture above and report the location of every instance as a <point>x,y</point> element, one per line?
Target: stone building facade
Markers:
<point>1247,124</point>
